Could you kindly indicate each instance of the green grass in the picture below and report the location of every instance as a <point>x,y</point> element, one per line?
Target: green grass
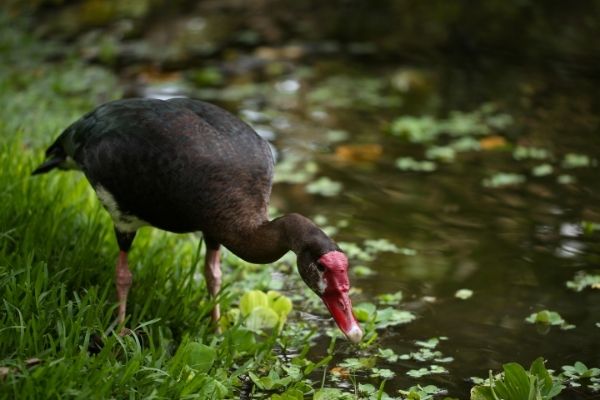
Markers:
<point>57,257</point>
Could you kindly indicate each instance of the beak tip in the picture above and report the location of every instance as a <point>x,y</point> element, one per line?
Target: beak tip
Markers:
<point>355,334</point>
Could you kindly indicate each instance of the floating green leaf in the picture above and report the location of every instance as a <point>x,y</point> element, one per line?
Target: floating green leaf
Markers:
<point>502,179</point>
<point>431,370</point>
<point>573,160</point>
<point>410,164</point>
<point>324,187</point>
<point>331,394</point>
<point>391,317</point>
<point>422,392</point>
<point>362,271</point>
<point>583,280</point>
<point>547,317</point>
<point>535,153</point>
<point>390,299</point>
<point>463,294</point>
<point>542,170</point>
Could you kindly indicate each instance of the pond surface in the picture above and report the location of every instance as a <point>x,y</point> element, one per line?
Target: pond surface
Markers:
<point>333,103</point>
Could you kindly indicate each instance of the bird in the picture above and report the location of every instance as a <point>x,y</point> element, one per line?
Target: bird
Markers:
<point>184,165</point>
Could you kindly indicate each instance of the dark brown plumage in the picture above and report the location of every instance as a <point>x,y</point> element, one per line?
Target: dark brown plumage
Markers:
<point>183,165</point>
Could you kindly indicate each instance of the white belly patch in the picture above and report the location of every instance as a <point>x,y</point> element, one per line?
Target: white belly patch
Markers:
<point>124,222</point>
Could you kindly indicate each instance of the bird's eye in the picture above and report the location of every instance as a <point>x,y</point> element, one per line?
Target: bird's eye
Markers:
<point>320,266</point>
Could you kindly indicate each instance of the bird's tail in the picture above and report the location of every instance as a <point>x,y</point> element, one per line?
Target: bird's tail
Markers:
<point>55,157</point>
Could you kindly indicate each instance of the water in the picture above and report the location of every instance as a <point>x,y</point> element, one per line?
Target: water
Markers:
<point>515,247</point>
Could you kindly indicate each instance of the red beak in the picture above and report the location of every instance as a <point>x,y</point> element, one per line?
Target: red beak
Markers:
<point>340,307</point>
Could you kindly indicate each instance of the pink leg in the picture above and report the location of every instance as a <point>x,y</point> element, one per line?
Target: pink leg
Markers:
<point>123,278</point>
<point>212,274</point>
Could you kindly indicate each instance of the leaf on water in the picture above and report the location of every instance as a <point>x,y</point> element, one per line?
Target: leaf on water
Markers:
<point>502,179</point>
<point>410,164</point>
<point>382,373</point>
<point>463,294</point>
<point>542,170</point>
<point>492,142</point>
<point>534,153</point>
<point>331,394</point>
<point>441,153</point>
<point>367,152</point>
<point>432,370</point>
<point>466,143</point>
<point>422,392</point>
<point>573,160</point>
<point>364,311</point>
<point>290,394</point>
<point>362,271</point>
<point>590,227</point>
<point>565,179</point>
<point>391,317</point>
<point>390,299</point>
<point>388,355</point>
<point>367,388</point>
<point>583,280</point>
<point>336,135</point>
<point>354,364</point>
<point>547,317</point>
<point>294,169</point>
<point>324,186</point>
<point>429,343</point>
<point>375,246</point>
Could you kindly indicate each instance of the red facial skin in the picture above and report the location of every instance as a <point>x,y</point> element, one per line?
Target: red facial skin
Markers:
<point>335,295</point>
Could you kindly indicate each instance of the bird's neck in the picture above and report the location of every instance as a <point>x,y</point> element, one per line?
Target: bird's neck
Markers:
<point>268,241</point>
